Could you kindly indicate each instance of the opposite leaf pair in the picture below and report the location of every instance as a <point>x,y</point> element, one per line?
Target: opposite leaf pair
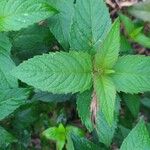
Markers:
<point>73,72</point>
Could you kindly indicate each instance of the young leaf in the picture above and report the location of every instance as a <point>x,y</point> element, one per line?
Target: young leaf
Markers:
<point>83,106</point>
<point>132,74</point>
<point>137,139</point>
<point>141,10</point>
<point>90,24</point>
<point>134,32</point>
<point>58,72</point>
<point>11,99</point>
<point>106,95</point>
<point>6,64</point>
<point>133,103</point>
<point>18,14</point>
<point>56,134</point>
<point>6,138</point>
<point>108,53</point>
<point>60,24</point>
<point>104,131</point>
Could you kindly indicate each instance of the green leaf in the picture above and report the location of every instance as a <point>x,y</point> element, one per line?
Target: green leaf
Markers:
<point>18,14</point>
<point>137,139</point>
<point>11,99</point>
<point>58,72</point>
<point>141,10</point>
<point>132,74</point>
<point>106,95</point>
<point>104,131</point>
<point>133,103</point>
<point>49,97</point>
<point>83,144</point>
<point>56,134</point>
<point>91,22</point>
<point>83,106</point>
<point>125,46</point>
<point>60,24</point>
<point>6,138</point>
<point>6,64</point>
<point>31,41</point>
<point>142,39</point>
<point>135,32</point>
<point>146,102</point>
<point>107,54</point>
<point>72,130</point>
<point>128,23</point>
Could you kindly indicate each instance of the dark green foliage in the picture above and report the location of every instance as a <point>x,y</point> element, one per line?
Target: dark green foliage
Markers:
<point>70,78</point>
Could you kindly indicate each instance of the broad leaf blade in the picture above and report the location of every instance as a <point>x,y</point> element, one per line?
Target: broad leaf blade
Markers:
<point>31,41</point>
<point>132,74</point>
<point>6,64</point>
<point>141,10</point>
<point>83,106</point>
<point>90,24</point>
<point>104,131</point>
<point>60,24</point>
<point>133,103</point>
<point>18,14</point>
<point>11,99</point>
<point>108,53</point>
<point>106,95</point>
<point>137,139</point>
<point>58,72</point>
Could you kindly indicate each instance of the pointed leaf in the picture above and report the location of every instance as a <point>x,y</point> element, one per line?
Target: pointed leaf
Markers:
<point>83,106</point>
<point>104,131</point>
<point>132,74</point>
<point>90,24</point>
<point>106,95</point>
<point>11,99</point>
<point>58,72</point>
<point>60,24</point>
<point>137,139</point>
<point>56,134</point>
<point>18,14</point>
<point>108,53</point>
<point>6,64</point>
